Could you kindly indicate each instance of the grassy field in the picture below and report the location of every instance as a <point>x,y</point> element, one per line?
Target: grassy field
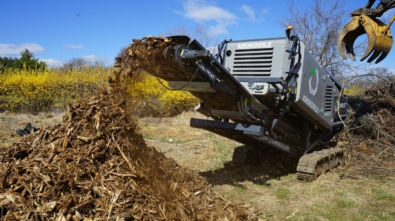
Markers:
<point>276,197</point>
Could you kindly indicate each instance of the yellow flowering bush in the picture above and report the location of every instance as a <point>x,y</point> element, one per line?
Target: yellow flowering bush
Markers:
<point>45,90</point>
<point>42,90</point>
<point>354,91</point>
<point>150,96</point>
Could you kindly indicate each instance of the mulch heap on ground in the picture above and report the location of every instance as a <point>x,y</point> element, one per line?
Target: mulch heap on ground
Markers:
<point>95,165</point>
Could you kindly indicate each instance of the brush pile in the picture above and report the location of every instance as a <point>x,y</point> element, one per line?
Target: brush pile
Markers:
<point>370,134</point>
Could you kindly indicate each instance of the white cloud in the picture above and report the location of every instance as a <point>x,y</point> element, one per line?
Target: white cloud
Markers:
<point>200,11</point>
<point>90,58</point>
<point>219,28</point>
<point>72,46</point>
<point>251,13</point>
<point>11,49</point>
<point>213,49</point>
<point>52,62</point>
<point>93,59</point>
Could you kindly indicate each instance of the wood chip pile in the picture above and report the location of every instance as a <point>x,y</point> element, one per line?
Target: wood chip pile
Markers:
<point>95,165</point>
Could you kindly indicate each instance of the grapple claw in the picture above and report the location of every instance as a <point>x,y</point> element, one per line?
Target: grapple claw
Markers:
<point>379,38</point>
<point>347,37</point>
<point>382,56</point>
<point>374,56</point>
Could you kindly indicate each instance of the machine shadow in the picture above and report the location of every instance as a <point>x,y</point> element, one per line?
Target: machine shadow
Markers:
<point>258,170</point>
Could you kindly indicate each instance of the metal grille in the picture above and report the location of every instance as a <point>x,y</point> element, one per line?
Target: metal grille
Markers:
<point>253,62</point>
<point>328,98</point>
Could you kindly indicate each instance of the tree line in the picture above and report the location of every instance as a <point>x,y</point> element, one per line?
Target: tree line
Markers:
<point>29,62</point>
<point>26,61</point>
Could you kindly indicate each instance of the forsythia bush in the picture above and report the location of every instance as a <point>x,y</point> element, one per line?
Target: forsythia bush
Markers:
<point>33,91</point>
<point>354,91</point>
<point>150,98</point>
<point>45,90</point>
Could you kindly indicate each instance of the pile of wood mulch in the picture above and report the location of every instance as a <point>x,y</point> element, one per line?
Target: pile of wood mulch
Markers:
<point>95,165</point>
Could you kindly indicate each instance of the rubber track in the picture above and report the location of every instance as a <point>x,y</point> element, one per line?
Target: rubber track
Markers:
<point>312,165</point>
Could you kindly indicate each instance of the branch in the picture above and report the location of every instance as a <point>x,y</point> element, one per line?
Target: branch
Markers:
<point>369,75</point>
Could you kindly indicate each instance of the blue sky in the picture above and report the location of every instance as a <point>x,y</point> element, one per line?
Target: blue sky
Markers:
<point>58,30</point>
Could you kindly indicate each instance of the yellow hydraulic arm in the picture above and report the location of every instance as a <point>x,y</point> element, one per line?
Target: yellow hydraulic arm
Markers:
<point>364,21</point>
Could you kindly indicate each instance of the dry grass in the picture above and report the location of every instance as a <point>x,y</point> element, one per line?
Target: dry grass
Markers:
<point>193,148</point>
<point>328,198</point>
<point>10,122</point>
<point>283,197</point>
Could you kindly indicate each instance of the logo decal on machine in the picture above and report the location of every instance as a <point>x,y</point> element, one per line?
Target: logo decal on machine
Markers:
<point>311,104</point>
<point>255,45</point>
<point>313,88</point>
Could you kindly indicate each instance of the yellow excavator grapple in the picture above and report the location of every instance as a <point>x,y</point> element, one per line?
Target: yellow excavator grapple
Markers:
<point>364,21</point>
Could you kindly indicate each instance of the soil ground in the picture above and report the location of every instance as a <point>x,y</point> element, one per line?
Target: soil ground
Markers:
<point>273,192</point>
<point>10,122</point>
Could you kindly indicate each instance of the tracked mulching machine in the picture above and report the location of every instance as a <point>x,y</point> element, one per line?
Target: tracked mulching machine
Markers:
<point>269,94</point>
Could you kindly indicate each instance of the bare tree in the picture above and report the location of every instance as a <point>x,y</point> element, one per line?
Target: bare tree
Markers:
<point>376,77</point>
<point>203,36</point>
<point>181,30</point>
<point>75,64</point>
<point>318,27</point>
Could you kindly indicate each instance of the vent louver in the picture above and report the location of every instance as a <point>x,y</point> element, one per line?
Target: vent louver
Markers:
<point>328,98</point>
<point>253,62</point>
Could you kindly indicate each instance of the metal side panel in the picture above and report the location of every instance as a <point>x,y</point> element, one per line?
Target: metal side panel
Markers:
<point>315,92</point>
<point>254,63</point>
<point>257,58</point>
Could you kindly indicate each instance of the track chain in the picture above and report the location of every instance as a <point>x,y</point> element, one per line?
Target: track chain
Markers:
<point>312,165</point>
